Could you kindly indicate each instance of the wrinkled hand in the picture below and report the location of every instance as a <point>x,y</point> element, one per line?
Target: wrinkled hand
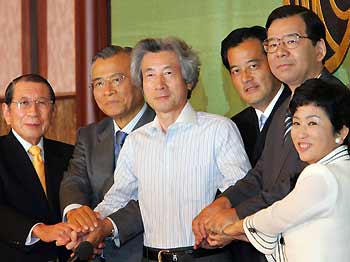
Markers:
<point>236,231</point>
<point>198,223</point>
<point>95,237</point>
<point>216,240</point>
<point>83,217</point>
<point>217,222</point>
<point>59,232</point>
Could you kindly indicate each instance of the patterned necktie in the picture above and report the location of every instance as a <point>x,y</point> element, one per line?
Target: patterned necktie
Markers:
<point>119,141</point>
<point>38,164</point>
<point>287,124</point>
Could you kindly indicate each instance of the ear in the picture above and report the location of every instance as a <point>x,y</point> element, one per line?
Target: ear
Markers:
<point>321,50</point>
<point>343,133</point>
<point>189,86</point>
<point>6,112</point>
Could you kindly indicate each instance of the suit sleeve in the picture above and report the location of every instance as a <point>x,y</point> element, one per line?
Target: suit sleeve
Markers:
<point>15,226</point>
<point>75,186</point>
<point>247,189</point>
<point>128,221</point>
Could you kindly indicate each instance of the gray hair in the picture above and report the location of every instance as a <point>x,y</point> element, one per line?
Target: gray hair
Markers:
<point>189,60</point>
<point>110,51</point>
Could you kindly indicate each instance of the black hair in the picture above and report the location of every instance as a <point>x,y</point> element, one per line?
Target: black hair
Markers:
<point>315,29</point>
<point>27,78</point>
<point>237,37</point>
<point>333,99</point>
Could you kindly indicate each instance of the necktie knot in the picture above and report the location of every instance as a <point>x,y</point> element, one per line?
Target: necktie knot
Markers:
<point>34,150</point>
<point>120,137</point>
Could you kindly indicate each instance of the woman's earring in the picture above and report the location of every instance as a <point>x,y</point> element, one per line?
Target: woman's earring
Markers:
<point>337,140</point>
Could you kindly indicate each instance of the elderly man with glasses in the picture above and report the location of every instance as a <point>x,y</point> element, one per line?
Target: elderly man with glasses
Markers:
<point>90,172</point>
<point>31,168</point>
<point>296,49</point>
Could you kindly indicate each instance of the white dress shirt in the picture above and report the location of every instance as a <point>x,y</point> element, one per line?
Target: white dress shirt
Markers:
<point>174,175</point>
<point>263,116</point>
<point>312,222</point>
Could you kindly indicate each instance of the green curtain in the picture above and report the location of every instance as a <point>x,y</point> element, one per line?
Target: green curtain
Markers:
<point>202,24</point>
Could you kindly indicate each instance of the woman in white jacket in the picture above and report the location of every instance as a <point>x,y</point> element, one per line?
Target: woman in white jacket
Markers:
<point>312,222</point>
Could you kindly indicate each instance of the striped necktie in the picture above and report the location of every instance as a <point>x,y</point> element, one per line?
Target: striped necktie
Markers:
<point>287,124</point>
<point>38,164</point>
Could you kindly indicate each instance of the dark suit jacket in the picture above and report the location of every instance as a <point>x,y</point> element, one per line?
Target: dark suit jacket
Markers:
<point>270,179</point>
<point>90,175</point>
<point>22,199</point>
<point>248,125</point>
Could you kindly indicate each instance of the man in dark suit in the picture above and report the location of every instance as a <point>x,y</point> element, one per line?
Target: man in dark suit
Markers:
<point>295,49</point>
<point>29,184</point>
<point>244,57</point>
<point>90,172</point>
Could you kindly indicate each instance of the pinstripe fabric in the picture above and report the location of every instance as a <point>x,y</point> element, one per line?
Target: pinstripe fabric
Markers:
<point>176,174</point>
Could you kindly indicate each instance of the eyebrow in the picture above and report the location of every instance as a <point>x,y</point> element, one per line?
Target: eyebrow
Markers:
<point>249,61</point>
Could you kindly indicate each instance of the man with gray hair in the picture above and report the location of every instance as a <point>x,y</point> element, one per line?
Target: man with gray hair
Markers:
<point>90,172</point>
<point>174,165</point>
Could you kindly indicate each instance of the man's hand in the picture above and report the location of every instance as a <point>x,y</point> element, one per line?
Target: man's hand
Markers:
<point>83,217</point>
<point>218,240</point>
<point>95,237</point>
<point>217,222</point>
<point>198,224</point>
<point>60,232</point>
<point>236,231</point>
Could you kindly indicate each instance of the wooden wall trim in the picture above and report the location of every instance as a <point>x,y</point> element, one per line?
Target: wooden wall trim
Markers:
<point>41,28</point>
<point>26,38</point>
<point>92,27</point>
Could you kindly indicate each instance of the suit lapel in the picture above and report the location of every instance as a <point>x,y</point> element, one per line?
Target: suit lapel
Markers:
<point>103,154</point>
<point>20,165</point>
<point>147,117</point>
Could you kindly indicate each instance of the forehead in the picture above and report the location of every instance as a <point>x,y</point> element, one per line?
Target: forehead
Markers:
<point>287,25</point>
<point>119,63</point>
<point>159,59</point>
<point>310,110</point>
<point>31,89</point>
<point>250,49</point>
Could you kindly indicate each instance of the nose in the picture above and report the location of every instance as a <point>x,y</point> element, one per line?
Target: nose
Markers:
<point>108,88</point>
<point>281,50</point>
<point>160,82</point>
<point>246,76</point>
<point>32,109</point>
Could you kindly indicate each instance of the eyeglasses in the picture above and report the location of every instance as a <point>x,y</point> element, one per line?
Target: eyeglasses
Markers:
<point>25,104</point>
<point>114,80</point>
<point>290,41</point>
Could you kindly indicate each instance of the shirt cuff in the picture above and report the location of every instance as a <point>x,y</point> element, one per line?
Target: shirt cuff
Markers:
<point>115,236</point>
<point>67,209</point>
<point>30,240</point>
<point>264,243</point>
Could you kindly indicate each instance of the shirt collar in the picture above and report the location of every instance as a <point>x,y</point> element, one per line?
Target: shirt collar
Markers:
<point>130,126</point>
<point>271,105</point>
<point>26,145</point>
<point>187,116</point>
<point>340,153</point>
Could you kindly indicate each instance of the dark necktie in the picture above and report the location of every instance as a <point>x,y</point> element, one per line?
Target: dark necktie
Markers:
<point>287,124</point>
<point>119,141</point>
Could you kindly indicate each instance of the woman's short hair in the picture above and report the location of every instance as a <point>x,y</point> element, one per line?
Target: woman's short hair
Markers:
<point>333,99</point>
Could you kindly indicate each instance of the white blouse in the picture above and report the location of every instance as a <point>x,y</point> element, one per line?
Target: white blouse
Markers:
<point>312,222</point>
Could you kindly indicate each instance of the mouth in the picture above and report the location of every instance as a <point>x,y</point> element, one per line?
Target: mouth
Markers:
<point>302,146</point>
<point>251,88</point>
